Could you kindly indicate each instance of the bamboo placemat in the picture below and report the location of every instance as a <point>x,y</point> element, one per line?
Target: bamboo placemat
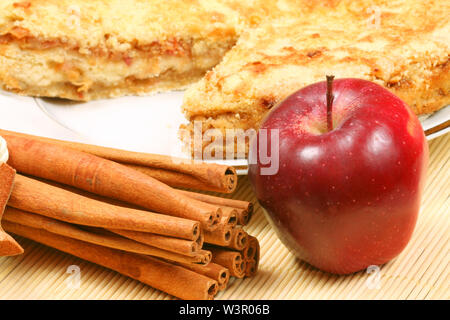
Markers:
<point>420,272</point>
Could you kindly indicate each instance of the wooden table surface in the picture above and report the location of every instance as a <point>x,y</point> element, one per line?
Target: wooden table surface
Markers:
<point>420,272</point>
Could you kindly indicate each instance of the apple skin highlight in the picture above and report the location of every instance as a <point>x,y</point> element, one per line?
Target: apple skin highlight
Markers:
<point>348,198</point>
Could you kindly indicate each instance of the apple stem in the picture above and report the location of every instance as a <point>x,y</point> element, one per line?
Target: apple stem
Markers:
<point>330,98</point>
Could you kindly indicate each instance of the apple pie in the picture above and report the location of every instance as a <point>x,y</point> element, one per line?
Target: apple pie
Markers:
<point>401,45</point>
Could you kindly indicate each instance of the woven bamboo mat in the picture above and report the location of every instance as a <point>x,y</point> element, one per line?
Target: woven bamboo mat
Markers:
<point>421,271</point>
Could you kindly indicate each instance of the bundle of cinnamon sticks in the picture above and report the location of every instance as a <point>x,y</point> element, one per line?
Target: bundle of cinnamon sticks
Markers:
<point>106,206</point>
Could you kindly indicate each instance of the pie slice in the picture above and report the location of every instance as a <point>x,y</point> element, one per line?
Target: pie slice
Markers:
<point>401,45</point>
<point>83,50</point>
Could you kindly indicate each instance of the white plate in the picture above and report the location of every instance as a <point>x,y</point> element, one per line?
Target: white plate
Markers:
<point>437,123</point>
<point>144,124</point>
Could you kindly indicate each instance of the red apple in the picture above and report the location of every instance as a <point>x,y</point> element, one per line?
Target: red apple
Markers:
<point>344,197</point>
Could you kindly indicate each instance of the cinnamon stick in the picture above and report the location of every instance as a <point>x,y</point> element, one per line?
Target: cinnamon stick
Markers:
<point>182,180</point>
<point>201,239</point>
<point>244,209</point>
<point>244,216</point>
<point>8,246</point>
<point>178,245</point>
<point>175,280</point>
<point>225,202</point>
<point>182,246</point>
<point>38,197</point>
<point>221,236</point>
<point>251,254</point>
<point>106,178</point>
<point>212,270</point>
<point>229,216</point>
<point>232,260</point>
<point>251,268</point>
<point>112,241</point>
<point>239,239</point>
<point>252,250</point>
<point>206,257</point>
<point>180,172</point>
